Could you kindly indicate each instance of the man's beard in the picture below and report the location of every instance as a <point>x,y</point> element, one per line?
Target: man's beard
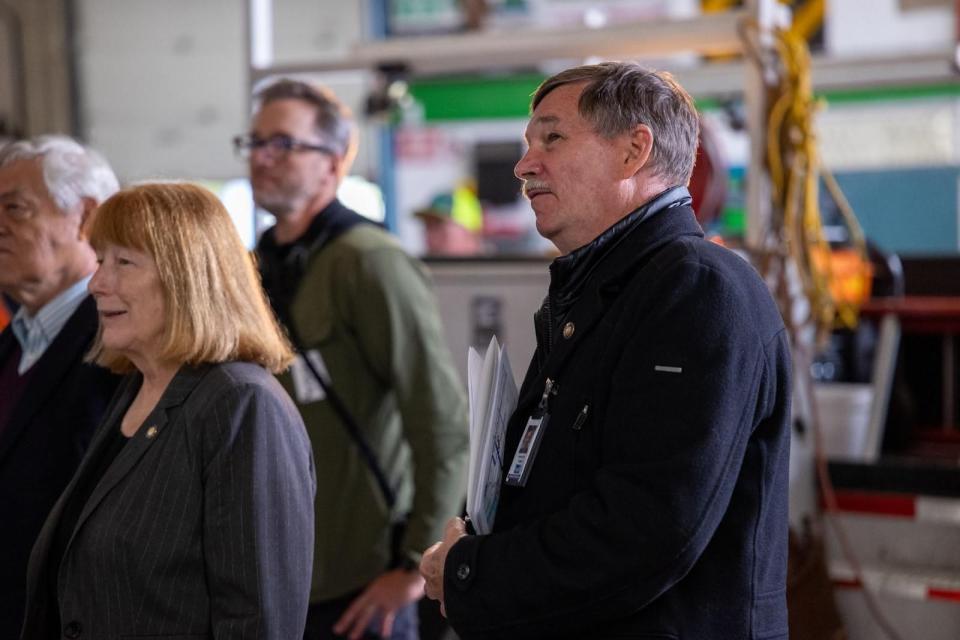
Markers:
<point>279,199</point>
<point>276,204</point>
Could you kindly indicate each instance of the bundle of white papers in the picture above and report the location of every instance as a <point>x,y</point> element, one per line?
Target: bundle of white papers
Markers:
<point>492,394</point>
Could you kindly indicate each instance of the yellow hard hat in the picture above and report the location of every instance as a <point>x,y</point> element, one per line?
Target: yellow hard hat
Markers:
<point>461,206</point>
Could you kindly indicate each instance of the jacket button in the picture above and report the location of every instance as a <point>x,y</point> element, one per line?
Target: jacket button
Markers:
<point>463,571</point>
<point>568,330</point>
<point>73,630</point>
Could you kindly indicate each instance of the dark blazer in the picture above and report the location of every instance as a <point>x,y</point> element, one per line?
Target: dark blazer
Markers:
<point>202,527</point>
<point>43,444</point>
<point>656,506</point>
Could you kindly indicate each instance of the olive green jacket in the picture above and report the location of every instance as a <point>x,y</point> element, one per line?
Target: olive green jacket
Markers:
<point>368,309</point>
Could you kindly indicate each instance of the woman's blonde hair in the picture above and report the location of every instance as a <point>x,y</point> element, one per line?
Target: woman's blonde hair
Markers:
<point>215,307</point>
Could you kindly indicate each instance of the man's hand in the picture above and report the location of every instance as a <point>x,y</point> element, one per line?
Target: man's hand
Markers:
<point>431,566</point>
<point>383,597</point>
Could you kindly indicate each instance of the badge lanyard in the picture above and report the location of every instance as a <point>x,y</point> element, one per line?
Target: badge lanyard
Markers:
<point>526,451</point>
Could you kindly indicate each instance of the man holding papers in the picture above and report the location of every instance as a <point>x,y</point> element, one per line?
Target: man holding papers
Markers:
<point>643,486</point>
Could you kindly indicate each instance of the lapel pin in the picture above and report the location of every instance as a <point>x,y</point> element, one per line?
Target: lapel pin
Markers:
<point>152,432</point>
<point>568,330</point>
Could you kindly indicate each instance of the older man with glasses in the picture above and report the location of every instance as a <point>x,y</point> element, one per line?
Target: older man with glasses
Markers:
<point>51,400</point>
<point>374,380</point>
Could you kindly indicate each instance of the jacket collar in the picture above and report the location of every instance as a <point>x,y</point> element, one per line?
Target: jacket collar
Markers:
<point>282,265</point>
<point>568,273</point>
<point>64,353</point>
<point>333,220</point>
<point>628,249</point>
<point>645,238</point>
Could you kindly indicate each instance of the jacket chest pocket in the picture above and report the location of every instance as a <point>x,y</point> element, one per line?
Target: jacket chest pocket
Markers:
<point>584,436</point>
<point>573,436</point>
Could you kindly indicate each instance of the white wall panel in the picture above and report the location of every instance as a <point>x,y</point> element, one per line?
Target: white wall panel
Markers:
<point>163,85</point>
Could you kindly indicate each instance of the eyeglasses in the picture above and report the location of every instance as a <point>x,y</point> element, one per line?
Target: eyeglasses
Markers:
<point>278,145</point>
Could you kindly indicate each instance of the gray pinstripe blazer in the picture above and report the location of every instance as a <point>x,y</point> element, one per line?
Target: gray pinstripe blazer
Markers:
<point>202,527</point>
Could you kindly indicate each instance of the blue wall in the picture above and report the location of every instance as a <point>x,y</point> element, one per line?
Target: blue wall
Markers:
<point>906,211</point>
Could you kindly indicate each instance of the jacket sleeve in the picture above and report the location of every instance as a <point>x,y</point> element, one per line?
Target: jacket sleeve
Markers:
<point>670,454</point>
<point>259,486</point>
<point>399,330</point>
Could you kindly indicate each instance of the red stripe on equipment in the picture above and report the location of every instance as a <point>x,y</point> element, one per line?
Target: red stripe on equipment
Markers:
<point>943,594</point>
<point>888,504</point>
<point>847,583</point>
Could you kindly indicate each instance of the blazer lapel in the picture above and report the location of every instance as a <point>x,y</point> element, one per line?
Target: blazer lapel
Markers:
<point>64,352</point>
<point>149,432</point>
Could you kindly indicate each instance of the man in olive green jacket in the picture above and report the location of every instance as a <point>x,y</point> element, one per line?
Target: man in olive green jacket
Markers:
<point>362,312</point>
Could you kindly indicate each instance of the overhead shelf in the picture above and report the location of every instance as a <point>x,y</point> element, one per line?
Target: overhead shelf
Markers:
<point>707,35</point>
<point>456,53</point>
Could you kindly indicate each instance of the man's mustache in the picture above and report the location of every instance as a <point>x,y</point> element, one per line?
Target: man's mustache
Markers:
<point>534,185</point>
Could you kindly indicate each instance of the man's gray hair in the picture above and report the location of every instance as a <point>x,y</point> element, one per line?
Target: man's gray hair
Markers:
<point>70,170</point>
<point>618,96</point>
<point>333,121</point>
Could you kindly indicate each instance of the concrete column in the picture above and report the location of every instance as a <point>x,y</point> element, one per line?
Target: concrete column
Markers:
<point>35,67</point>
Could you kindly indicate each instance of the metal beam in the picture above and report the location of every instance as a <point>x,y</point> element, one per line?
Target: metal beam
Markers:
<point>458,53</point>
<point>724,79</point>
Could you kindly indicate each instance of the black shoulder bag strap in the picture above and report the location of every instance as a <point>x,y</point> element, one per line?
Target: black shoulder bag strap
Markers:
<point>336,402</point>
<point>353,430</point>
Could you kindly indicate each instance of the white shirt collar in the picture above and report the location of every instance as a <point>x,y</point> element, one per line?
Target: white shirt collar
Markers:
<point>36,333</point>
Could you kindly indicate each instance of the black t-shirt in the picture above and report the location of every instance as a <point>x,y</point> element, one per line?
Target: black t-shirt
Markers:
<point>282,265</point>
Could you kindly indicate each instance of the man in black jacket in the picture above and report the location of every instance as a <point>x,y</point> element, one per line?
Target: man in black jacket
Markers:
<point>50,399</point>
<point>653,502</point>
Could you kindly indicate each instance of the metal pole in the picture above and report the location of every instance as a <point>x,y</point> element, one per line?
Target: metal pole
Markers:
<point>759,208</point>
<point>10,17</point>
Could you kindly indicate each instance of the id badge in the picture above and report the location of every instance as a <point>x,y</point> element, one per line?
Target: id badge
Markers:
<point>305,386</point>
<point>523,458</point>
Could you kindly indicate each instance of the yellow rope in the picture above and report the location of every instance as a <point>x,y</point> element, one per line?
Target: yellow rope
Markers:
<point>808,18</point>
<point>793,162</point>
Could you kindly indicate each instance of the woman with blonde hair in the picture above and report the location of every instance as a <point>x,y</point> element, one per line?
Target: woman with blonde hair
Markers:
<point>191,516</point>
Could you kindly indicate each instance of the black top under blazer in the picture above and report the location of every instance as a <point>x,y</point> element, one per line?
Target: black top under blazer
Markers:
<point>202,527</point>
